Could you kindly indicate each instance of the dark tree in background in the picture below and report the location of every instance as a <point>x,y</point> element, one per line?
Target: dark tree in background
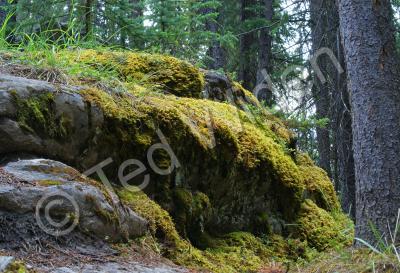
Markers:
<point>89,18</point>
<point>342,139</point>
<point>248,60</point>
<point>373,71</point>
<point>216,52</point>
<point>332,101</point>
<point>136,18</point>
<point>3,11</point>
<point>265,51</point>
<point>341,123</point>
<point>319,27</point>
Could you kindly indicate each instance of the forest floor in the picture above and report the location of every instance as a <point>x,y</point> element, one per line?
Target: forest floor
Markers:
<point>57,258</point>
<point>350,260</point>
<point>135,258</point>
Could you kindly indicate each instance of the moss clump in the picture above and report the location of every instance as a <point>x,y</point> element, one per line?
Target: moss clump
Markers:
<point>17,267</point>
<point>241,92</point>
<point>319,187</point>
<point>322,229</point>
<point>244,252</point>
<point>110,217</point>
<point>37,115</point>
<point>156,71</point>
<point>160,222</point>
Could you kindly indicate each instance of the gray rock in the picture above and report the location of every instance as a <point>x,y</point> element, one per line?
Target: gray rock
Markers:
<point>120,268</point>
<point>67,194</point>
<point>63,270</point>
<point>5,261</point>
<point>69,106</point>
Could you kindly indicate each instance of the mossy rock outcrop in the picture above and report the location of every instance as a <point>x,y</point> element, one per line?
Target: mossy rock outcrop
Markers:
<point>217,165</point>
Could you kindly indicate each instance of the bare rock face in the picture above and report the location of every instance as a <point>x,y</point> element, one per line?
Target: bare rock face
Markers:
<point>61,199</point>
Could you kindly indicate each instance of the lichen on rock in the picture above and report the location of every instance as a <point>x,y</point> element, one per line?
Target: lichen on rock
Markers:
<point>37,115</point>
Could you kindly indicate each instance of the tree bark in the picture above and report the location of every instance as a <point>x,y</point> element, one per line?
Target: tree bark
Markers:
<point>342,135</point>
<point>265,53</point>
<point>248,63</point>
<point>3,11</point>
<point>216,53</point>
<point>89,18</point>
<point>137,15</point>
<point>320,90</point>
<point>373,71</point>
<point>13,21</point>
<point>341,130</point>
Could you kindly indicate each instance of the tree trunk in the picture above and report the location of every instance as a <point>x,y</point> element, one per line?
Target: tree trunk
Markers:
<point>320,90</point>
<point>137,15</point>
<point>216,53</point>
<point>341,130</point>
<point>89,18</point>
<point>3,11</point>
<point>265,53</point>
<point>13,22</point>
<point>373,71</point>
<point>248,64</point>
<point>343,140</point>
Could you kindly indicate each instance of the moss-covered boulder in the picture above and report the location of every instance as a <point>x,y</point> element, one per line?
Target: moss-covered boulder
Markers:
<point>217,166</point>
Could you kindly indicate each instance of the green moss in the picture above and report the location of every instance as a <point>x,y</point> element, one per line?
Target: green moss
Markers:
<point>359,260</point>
<point>185,121</point>
<point>183,199</point>
<point>319,187</point>
<point>48,183</point>
<point>160,222</point>
<point>109,216</point>
<point>64,171</point>
<point>201,204</point>
<point>322,229</point>
<point>37,115</point>
<point>158,71</point>
<point>17,267</point>
<point>241,92</point>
